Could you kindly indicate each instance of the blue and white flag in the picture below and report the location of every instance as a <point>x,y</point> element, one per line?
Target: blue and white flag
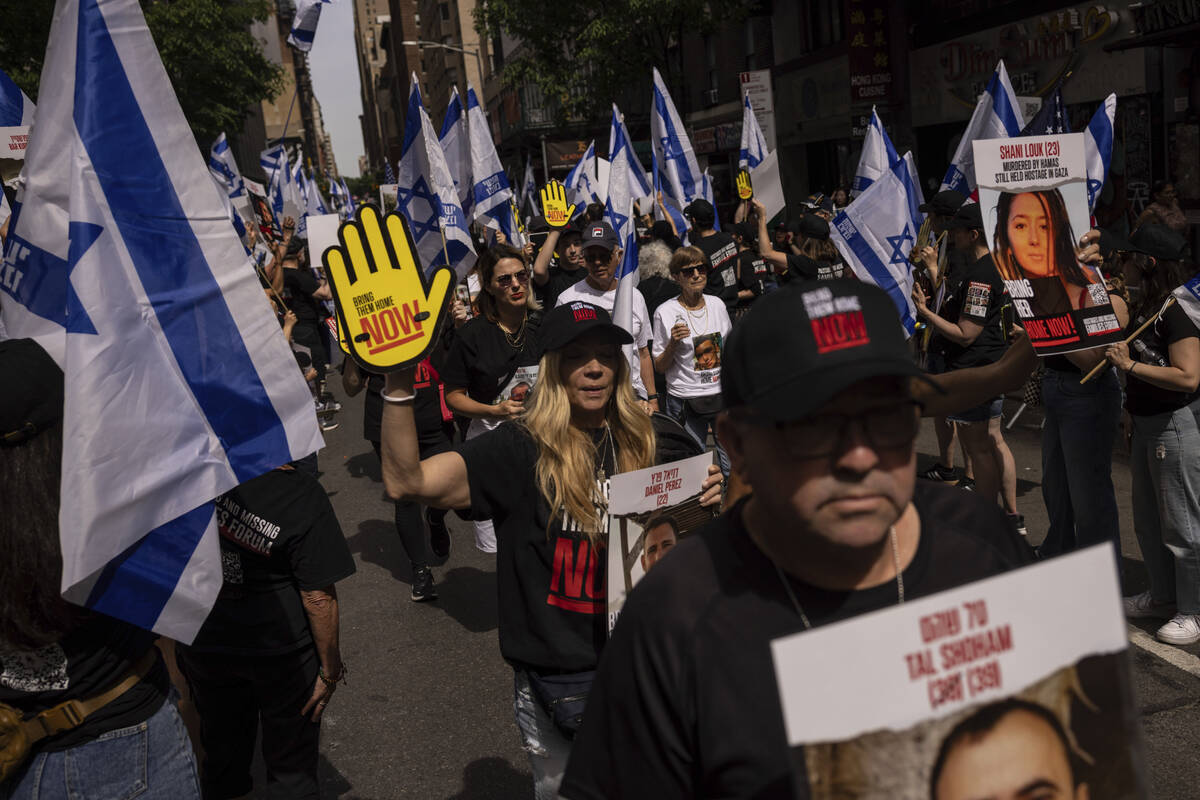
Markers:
<point>335,191</point>
<point>878,154</point>
<point>578,180</point>
<point>997,116</point>
<point>668,206</point>
<point>528,186</point>
<point>672,150</point>
<point>282,192</point>
<point>618,210</point>
<point>876,232</point>
<point>304,24</point>
<point>224,169</point>
<point>754,144</point>
<point>16,109</point>
<point>348,199</point>
<point>388,175</point>
<point>179,384</point>
<point>1097,148</point>
<point>314,202</point>
<point>1188,296</point>
<point>456,144</point>
<point>630,170</point>
<point>425,195</point>
<point>706,191</point>
<point>491,193</point>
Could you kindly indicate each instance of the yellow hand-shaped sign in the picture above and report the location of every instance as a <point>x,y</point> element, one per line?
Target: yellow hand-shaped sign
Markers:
<point>392,313</point>
<point>745,189</point>
<point>554,205</point>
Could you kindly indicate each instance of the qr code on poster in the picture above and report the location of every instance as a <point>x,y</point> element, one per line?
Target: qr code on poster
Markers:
<point>1098,295</point>
<point>978,295</point>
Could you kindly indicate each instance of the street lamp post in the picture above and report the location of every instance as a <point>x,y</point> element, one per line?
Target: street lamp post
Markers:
<point>478,58</point>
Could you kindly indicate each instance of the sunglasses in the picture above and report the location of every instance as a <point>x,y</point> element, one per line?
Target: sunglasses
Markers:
<point>504,281</point>
<point>819,436</point>
<point>692,271</point>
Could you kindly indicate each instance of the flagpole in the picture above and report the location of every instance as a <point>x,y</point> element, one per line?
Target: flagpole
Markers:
<point>1105,362</point>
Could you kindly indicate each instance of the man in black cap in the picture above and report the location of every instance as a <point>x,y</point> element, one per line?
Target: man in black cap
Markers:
<point>969,330</point>
<point>821,423</point>
<point>718,246</point>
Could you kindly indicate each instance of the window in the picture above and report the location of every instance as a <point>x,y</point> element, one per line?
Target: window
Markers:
<point>444,9</point>
<point>823,23</point>
<point>710,57</point>
<point>750,45</point>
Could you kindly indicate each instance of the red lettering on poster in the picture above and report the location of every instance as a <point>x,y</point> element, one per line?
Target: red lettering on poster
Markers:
<point>392,327</point>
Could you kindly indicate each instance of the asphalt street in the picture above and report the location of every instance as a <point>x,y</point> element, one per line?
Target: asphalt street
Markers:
<point>427,708</point>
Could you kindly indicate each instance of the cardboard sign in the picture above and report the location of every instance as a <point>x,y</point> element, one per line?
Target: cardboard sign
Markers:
<point>649,511</point>
<point>1033,197</point>
<point>555,209</point>
<point>392,313</point>
<point>950,692</point>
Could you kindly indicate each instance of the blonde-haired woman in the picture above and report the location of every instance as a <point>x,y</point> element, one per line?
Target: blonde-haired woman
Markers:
<point>543,480</point>
<point>493,358</point>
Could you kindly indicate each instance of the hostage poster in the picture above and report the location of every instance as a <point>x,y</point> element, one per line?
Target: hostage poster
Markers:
<point>984,691</point>
<point>649,511</point>
<point>1033,198</point>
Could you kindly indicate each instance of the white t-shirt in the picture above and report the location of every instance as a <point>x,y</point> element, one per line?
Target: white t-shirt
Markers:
<point>695,370</point>
<point>641,323</point>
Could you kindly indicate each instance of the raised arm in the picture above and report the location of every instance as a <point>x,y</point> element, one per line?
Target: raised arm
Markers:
<point>541,264</point>
<point>440,481</point>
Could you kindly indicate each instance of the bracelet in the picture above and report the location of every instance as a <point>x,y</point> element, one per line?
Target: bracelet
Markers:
<point>405,399</point>
<point>1132,364</point>
<point>650,397</point>
<point>328,681</point>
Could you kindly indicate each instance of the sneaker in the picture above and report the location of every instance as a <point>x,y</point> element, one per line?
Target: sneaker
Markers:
<point>422,585</point>
<point>1143,606</point>
<point>439,534</point>
<point>939,473</point>
<point>1182,629</point>
<point>329,424</point>
<point>332,406</point>
<point>1018,523</point>
<point>967,484</point>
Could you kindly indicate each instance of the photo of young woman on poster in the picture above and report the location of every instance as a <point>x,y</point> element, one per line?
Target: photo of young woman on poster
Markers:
<point>1033,241</point>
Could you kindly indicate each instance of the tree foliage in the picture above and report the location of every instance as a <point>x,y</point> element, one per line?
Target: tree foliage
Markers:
<point>588,53</point>
<point>217,67</point>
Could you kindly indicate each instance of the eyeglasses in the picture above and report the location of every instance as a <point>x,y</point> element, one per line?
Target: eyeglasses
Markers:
<point>884,427</point>
<point>504,281</point>
<point>692,271</point>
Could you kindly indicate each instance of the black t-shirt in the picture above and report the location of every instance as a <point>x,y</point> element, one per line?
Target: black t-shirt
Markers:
<point>755,274</point>
<point>1141,398</point>
<point>801,266</point>
<point>721,251</point>
<point>978,296</point>
<point>279,536</point>
<point>482,361</point>
<point>685,703</point>
<point>559,279</point>
<point>553,598</point>
<point>97,654</point>
<point>427,407</point>
<point>298,287</point>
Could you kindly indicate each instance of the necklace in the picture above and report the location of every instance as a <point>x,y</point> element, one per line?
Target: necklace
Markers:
<point>787,586</point>
<point>605,445</point>
<point>702,314</point>
<point>516,338</point>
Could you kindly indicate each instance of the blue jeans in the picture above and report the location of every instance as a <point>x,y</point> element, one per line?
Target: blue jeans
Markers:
<point>698,427</point>
<point>1077,445</point>
<point>545,744</point>
<point>152,760</point>
<point>1165,467</point>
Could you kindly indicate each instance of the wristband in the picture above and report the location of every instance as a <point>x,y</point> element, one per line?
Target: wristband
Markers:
<point>391,392</point>
<point>398,399</point>
<point>325,679</point>
<point>650,397</point>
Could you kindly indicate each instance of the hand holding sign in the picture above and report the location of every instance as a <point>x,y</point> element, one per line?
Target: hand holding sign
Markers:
<point>745,189</point>
<point>554,205</point>
<point>391,311</point>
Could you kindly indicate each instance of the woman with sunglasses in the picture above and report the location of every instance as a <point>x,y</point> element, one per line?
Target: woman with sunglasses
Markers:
<point>689,332</point>
<point>494,352</point>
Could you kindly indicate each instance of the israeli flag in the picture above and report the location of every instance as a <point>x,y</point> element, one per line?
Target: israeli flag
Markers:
<point>997,116</point>
<point>706,191</point>
<point>672,150</point>
<point>1188,296</point>
<point>878,154</point>
<point>224,169</point>
<point>671,210</point>
<point>491,193</point>
<point>335,191</point>
<point>528,185</point>
<point>578,181</point>
<point>630,170</point>
<point>754,144</point>
<point>456,144</point>
<point>1097,148</point>
<point>425,195</point>
<point>304,24</point>
<point>314,202</point>
<point>350,206</point>
<point>16,109</point>
<point>618,210</point>
<point>282,192</point>
<point>876,232</point>
<point>179,383</point>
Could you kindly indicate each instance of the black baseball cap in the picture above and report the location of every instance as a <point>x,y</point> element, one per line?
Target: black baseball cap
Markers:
<point>600,234</point>
<point>1160,242</point>
<point>700,210</point>
<point>799,346</point>
<point>34,401</point>
<point>813,226</point>
<point>746,230</point>
<point>563,324</point>
<point>968,216</point>
<point>945,202</point>
<point>1113,242</point>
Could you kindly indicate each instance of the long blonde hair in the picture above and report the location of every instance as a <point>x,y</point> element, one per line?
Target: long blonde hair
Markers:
<point>566,465</point>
